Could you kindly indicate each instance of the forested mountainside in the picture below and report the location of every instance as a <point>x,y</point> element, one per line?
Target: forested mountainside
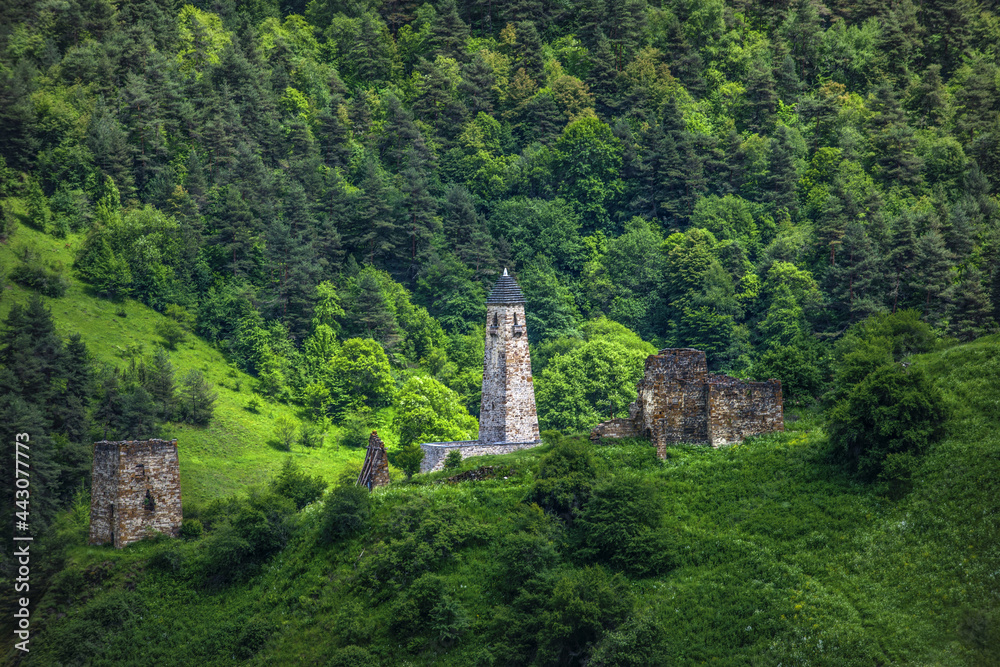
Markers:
<point>746,178</point>
<point>325,192</point>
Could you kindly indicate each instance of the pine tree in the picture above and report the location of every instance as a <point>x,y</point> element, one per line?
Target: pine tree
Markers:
<point>438,105</point>
<point>449,33</point>
<point>417,210</point>
<point>604,78</point>
<point>466,232</point>
<point>333,134</point>
<point>33,353</point>
<point>373,232</point>
<point>160,384</point>
<point>401,136</point>
<point>528,50</point>
<point>196,399</point>
<point>540,120</point>
<point>761,99</point>
<point>477,84</point>
<point>234,231</point>
<point>894,156</point>
<point>901,261</point>
<point>782,178</point>
<point>369,313</point>
<point>973,313</point>
<point>856,281</point>
<point>932,275</point>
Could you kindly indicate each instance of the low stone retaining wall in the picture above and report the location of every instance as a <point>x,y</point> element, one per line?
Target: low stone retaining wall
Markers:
<point>435,452</point>
<point>615,428</point>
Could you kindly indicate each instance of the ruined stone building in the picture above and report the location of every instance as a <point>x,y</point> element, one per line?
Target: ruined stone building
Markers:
<point>375,471</point>
<point>135,488</point>
<point>680,401</point>
<point>508,420</point>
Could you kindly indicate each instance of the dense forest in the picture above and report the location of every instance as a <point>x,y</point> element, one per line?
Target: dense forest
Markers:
<point>745,178</point>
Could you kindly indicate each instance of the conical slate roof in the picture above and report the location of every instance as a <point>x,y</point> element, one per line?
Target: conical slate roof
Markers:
<point>506,290</point>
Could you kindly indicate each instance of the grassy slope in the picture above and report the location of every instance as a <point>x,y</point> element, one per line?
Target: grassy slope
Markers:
<point>229,454</point>
<point>781,558</point>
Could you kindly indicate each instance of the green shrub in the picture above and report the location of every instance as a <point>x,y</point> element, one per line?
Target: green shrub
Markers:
<point>618,526</point>
<point>518,557</point>
<point>285,431</point>
<point>167,560</point>
<point>34,275</point>
<point>355,431</point>
<point>252,637</point>
<point>311,435</point>
<point>453,460</point>
<point>191,529</point>
<point>254,404</point>
<point>565,477</point>
<point>350,656</point>
<point>171,332</point>
<point>892,411</point>
<point>293,483</point>
<point>420,538</point>
<point>408,459</point>
<point>250,531</point>
<point>799,367</point>
<point>345,512</point>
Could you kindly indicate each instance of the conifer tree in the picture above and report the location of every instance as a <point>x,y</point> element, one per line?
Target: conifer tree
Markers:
<point>932,275</point>
<point>973,313</point>
<point>160,384</point>
<point>780,183</point>
<point>466,232</point>
<point>476,87</point>
<point>856,282</point>
<point>449,32</point>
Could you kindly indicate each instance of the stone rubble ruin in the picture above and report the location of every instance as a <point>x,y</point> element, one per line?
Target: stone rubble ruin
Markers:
<point>375,471</point>
<point>508,420</point>
<point>135,490</point>
<point>680,401</point>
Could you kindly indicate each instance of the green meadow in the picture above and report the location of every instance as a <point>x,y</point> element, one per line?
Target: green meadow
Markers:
<point>236,449</point>
<point>763,553</point>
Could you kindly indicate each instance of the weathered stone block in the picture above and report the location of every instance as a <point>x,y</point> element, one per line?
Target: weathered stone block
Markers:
<point>135,489</point>
<point>375,471</point>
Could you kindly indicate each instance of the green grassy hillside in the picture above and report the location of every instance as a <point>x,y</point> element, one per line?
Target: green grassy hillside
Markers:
<point>760,553</point>
<point>222,458</point>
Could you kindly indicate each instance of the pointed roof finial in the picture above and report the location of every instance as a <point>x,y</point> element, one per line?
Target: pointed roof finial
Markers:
<point>506,290</point>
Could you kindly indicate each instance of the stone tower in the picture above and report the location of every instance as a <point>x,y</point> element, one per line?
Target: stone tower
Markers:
<point>135,488</point>
<point>508,408</point>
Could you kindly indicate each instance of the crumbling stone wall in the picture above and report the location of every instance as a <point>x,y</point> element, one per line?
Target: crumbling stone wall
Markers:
<point>375,471</point>
<point>135,488</point>
<point>678,400</point>
<point>435,452</point>
<point>739,409</point>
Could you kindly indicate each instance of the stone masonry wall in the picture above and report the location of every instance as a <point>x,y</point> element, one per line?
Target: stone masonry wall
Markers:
<point>615,428</point>
<point>739,409</point>
<point>507,412</point>
<point>375,470</point>
<point>435,452</point>
<point>135,488</point>
<point>680,401</point>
